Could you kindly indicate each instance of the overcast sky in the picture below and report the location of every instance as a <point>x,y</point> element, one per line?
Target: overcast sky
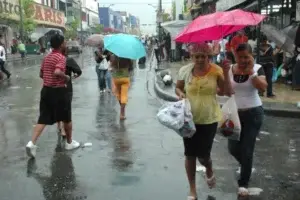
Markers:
<point>139,8</point>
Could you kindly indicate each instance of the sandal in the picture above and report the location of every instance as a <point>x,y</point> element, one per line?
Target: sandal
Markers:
<point>192,198</point>
<point>243,192</point>
<point>211,182</point>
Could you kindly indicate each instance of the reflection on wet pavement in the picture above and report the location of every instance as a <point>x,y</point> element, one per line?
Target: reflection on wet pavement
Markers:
<point>137,159</point>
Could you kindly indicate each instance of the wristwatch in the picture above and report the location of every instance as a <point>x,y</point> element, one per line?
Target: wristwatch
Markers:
<point>254,75</point>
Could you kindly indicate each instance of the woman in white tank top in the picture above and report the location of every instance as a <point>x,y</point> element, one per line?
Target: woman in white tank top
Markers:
<point>247,79</point>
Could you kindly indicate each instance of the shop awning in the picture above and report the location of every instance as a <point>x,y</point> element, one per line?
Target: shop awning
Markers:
<point>252,6</point>
<point>175,27</point>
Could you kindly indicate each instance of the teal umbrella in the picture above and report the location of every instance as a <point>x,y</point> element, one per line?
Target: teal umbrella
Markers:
<point>125,46</point>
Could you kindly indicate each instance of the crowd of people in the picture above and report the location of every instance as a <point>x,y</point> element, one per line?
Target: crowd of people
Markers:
<point>57,72</point>
<point>200,82</point>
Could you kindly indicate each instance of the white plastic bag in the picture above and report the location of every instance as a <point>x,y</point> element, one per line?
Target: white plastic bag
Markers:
<point>178,117</point>
<point>230,125</point>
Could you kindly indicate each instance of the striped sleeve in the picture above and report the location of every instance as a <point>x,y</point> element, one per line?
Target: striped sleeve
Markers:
<point>61,64</point>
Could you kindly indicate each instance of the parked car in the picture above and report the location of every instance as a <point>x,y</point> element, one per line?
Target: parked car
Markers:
<point>74,47</point>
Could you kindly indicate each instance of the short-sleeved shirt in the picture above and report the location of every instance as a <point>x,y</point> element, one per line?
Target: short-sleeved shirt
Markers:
<point>201,92</point>
<point>237,40</point>
<point>54,60</point>
<point>246,95</point>
<point>22,47</point>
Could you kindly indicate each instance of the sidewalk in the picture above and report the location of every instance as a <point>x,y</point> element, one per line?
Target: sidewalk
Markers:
<point>17,57</point>
<point>284,104</point>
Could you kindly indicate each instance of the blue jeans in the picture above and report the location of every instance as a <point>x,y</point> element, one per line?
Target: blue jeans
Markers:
<point>108,80</point>
<point>242,151</point>
<point>101,78</point>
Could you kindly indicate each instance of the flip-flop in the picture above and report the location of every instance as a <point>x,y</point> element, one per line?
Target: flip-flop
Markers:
<point>192,198</point>
<point>211,182</point>
<point>122,118</point>
<point>243,192</point>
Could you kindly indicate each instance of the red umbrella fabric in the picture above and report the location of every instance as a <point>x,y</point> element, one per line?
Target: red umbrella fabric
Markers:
<point>218,25</point>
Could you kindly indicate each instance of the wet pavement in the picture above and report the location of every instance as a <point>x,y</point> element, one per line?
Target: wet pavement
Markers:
<point>138,159</point>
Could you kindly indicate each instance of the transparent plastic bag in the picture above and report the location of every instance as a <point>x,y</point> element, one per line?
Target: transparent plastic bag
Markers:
<point>230,125</point>
<point>178,117</point>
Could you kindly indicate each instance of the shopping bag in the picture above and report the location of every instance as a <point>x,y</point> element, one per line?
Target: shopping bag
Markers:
<point>274,77</point>
<point>230,126</point>
<point>178,117</point>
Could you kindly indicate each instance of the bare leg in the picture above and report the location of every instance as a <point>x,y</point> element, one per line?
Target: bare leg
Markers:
<point>37,131</point>
<point>68,131</point>
<point>122,112</point>
<point>190,167</point>
<point>60,127</point>
<point>207,163</point>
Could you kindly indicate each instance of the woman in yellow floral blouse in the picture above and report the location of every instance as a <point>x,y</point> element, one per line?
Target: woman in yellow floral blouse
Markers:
<point>200,82</point>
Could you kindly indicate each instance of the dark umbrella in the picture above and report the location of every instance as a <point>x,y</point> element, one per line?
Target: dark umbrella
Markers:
<point>291,31</point>
<point>281,39</point>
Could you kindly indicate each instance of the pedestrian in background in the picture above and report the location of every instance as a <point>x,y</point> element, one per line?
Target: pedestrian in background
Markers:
<point>108,73</point>
<point>101,69</point>
<point>73,70</point>
<point>199,82</point>
<point>240,38</point>
<point>54,102</point>
<point>156,50</point>
<point>22,50</point>
<point>121,71</point>
<point>2,60</point>
<point>247,79</point>
<point>267,60</point>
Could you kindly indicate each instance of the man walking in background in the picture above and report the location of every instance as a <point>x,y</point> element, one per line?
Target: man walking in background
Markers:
<point>2,60</point>
<point>55,105</point>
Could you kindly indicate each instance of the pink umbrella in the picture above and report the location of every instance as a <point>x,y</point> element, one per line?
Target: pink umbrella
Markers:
<point>218,25</point>
<point>95,40</point>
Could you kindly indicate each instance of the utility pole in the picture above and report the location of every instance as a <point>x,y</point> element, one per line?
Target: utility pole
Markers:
<point>21,20</point>
<point>258,33</point>
<point>159,19</point>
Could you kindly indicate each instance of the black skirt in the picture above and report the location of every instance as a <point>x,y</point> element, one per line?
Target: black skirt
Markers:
<point>55,105</point>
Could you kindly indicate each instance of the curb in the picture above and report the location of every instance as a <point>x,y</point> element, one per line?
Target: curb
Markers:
<point>160,91</point>
<point>277,112</point>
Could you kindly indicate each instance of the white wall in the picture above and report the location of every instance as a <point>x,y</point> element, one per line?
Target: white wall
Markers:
<point>91,5</point>
<point>93,18</point>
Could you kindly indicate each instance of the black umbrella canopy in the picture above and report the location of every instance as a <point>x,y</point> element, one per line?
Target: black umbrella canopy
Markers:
<point>280,38</point>
<point>291,31</point>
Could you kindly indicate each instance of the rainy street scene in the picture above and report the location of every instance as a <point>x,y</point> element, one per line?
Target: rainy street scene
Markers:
<point>142,100</point>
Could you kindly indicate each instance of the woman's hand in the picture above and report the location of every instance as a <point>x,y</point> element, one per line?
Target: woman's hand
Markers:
<point>226,66</point>
<point>181,96</point>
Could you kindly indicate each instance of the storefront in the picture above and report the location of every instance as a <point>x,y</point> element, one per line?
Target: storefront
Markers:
<point>44,16</point>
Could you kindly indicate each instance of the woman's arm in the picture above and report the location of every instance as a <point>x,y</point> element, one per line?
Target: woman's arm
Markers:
<point>74,67</point>
<point>180,89</point>
<point>259,82</point>
<point>224,85</point>
<point>224,81</point>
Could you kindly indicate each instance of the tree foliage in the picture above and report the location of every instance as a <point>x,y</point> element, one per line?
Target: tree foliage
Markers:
<point>71,29</point>
<point>166,17</point>
<point>29,23</point>
<point>99,28</point>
